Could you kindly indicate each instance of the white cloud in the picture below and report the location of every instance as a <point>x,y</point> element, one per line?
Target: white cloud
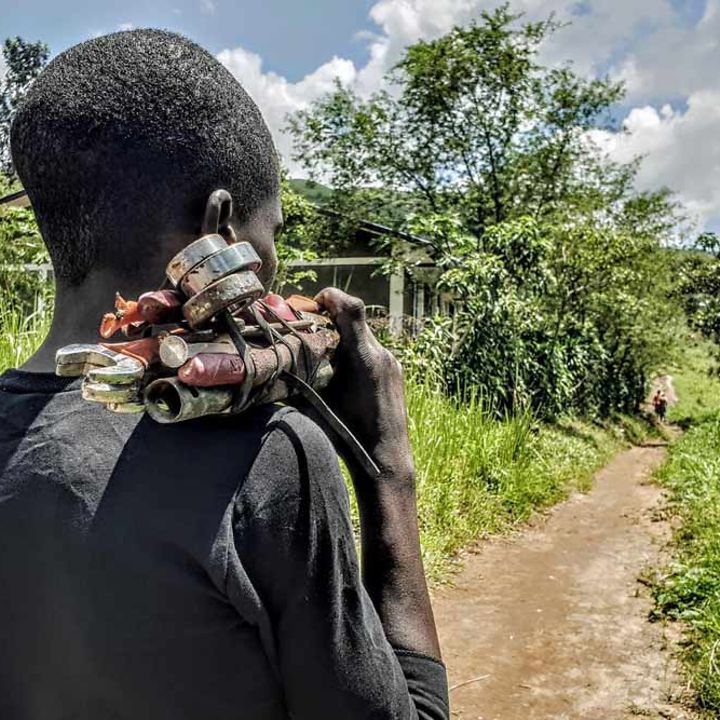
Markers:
<point>207,7</point>
<point>680,150</point>
<point>277,97</point>
<point>126,26</point>
<point>661,57</point>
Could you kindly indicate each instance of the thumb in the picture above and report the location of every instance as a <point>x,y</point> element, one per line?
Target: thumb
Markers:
<point>347,313</point>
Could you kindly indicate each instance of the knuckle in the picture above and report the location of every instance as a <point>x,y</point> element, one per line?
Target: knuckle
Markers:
<point>354,308</point>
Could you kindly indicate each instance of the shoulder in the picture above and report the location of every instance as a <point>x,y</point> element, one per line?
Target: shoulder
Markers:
<point>295,469</point>
<point>300,435</point>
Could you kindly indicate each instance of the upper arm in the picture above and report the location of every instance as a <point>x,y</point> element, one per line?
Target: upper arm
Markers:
<point>294,537</point>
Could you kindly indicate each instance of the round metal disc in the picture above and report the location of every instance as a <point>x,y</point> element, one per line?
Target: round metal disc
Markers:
<point>234,258</point>
<point>230,293</point>
<point>192,255</point>
<point>173,351</point>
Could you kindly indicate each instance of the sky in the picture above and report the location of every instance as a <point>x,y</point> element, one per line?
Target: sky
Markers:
<point>287,53</point>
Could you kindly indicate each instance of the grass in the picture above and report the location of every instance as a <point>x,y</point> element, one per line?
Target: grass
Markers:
<point>21,332</point>
<point>477,475</point>
<point>697,386</point>
<point>689,589</point>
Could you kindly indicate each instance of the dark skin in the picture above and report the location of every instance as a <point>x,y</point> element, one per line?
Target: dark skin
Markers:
<point>392,564</point>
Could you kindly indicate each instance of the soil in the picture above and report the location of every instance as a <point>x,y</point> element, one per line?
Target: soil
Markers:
<point>552,623</point>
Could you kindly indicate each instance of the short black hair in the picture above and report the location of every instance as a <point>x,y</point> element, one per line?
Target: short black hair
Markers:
<point>126,127</point>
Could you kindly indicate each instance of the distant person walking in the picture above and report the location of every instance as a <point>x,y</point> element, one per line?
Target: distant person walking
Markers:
<point>660,403</point>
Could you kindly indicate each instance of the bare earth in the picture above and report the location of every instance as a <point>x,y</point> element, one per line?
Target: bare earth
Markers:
<point>551,623</point>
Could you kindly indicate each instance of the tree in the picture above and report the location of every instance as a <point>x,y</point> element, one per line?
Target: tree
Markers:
<point>550,261</point>
<point>698,286</point>
<point>24,60</point>
<point>472,124</point>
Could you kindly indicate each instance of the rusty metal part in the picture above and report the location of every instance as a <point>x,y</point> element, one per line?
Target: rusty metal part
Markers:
<point>303,304</point>
<point>253,331</point>
<point>71,369</point>
<point>192,255</point>
<point>214,370</point>
<point>234,258</point>
<point>230,293</point>
<point>160,306</point>
<point>169,401</point>
<point>107,393</point>
<point>290,355</point>
<point>175,351</point>
<point>98,363</point>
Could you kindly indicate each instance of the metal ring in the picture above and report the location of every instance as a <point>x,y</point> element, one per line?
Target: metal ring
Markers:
<point>107,393</point>
<point>241,256</point>
<point>233,292</point>
<point>192,255</point>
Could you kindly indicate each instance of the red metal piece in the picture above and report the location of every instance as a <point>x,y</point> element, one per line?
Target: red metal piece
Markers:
<point>126,314</point>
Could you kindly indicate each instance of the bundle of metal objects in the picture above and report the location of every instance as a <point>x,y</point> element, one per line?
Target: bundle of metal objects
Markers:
<point>207,344</point>
<point>176,364</point>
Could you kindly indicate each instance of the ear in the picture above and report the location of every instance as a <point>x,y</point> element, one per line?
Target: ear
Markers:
<point>218,211</point>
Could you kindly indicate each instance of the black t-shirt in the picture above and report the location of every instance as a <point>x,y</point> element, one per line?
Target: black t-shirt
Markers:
<point>190,572</point>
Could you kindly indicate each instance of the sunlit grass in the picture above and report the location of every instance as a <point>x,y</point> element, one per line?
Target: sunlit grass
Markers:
<point>696,383</point>
<point>478,475</point>
<point>689,589</point>
<point>21,332</point>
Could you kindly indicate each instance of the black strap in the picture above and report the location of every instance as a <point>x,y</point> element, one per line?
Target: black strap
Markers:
<point>335,423</point>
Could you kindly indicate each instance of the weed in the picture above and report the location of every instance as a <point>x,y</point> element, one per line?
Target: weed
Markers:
<point>689,589</point>
<point>20,333</point>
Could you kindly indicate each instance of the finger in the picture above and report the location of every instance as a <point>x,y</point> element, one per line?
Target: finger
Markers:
<point>303,304</point>
<point>348,314</point>
<point>161,306</point>
<point>213,369</point>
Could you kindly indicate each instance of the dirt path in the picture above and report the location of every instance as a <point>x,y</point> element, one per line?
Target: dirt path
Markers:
<point>554,619</point>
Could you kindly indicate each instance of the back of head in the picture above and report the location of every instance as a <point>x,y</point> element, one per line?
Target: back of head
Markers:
<point>126,135</point>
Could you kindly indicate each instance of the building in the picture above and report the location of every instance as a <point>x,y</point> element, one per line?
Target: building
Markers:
<point>359,270</point>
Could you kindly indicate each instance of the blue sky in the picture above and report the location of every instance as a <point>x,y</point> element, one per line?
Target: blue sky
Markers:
<point>293,38</point>
<point>287,53</point>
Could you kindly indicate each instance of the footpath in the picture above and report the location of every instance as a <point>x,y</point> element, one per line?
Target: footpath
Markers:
<point>551,623</point>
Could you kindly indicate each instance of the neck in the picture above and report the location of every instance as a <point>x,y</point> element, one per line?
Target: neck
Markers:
<point>77,314</point>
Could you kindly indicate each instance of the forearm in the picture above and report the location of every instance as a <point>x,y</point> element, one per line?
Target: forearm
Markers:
<point>393,572</point>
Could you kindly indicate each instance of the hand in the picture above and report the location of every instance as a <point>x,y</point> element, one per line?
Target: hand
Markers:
<point>367,390</point>
<point>367,393</point>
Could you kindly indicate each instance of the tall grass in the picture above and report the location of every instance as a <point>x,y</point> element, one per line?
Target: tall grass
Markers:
<point>21,332</point>
<point>689,590</point>
<point>696,382</point>
<point>477,475</point>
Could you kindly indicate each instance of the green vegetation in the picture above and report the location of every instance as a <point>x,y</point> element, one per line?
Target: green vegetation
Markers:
<point>479,475</point>
<point>23,61</point>
<point>696,383</point>
<point>690,588</point>
<point>549,261</point>
<point>21,332</point>
<point>21,245</point>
